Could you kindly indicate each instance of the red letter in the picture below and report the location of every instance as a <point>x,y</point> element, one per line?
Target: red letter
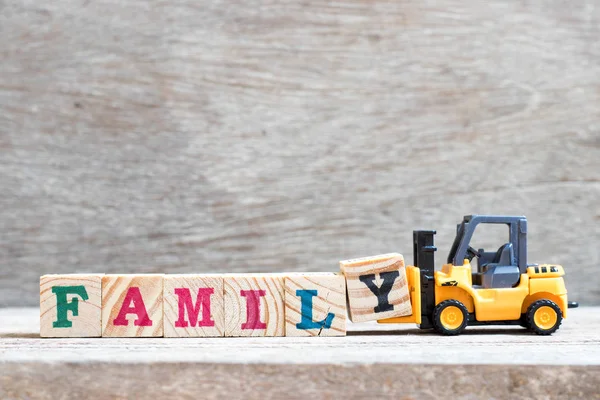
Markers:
<point>133,296</point>
<point>253,309</point>
<point>185,302</point>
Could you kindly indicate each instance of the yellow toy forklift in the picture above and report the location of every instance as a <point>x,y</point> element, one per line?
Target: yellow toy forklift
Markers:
<point>504,290</point>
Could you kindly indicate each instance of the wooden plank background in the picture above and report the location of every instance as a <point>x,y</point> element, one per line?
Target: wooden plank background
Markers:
<point>181,136</point>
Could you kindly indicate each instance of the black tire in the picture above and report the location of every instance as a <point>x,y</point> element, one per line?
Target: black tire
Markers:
<point>439,323</point>
<point>554,320</point>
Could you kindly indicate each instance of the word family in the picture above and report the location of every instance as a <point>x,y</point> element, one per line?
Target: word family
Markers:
<point>212,305</point>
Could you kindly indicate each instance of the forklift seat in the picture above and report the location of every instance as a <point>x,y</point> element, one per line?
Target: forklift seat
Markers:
<point>503,256</point>
<point>500,271</point>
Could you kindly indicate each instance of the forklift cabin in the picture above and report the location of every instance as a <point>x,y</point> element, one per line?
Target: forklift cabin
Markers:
<point>495,269</point>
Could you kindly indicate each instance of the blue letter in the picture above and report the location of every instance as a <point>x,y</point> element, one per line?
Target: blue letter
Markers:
<point>306,296</point>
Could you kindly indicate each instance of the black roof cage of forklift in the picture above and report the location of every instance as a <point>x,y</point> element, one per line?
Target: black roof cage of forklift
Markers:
<point>464,232</point>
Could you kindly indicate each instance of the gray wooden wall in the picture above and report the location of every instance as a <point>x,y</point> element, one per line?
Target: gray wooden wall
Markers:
<point>183,136</point>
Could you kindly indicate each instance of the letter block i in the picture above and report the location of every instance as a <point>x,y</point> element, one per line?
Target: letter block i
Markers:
<point>377,287</point>
<point>70,305</point>
<point>254,305</point>
<point>315,304</point>
<point>193,305</point>
<point>132,305</point>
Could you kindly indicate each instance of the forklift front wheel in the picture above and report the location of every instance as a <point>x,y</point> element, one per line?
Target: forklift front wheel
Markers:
<point>450,317</point>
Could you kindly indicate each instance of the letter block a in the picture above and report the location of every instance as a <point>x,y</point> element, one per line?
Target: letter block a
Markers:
<point>132,305</point>
<point>70,305</point>
<point>193,305</point>
<point>254,305</point>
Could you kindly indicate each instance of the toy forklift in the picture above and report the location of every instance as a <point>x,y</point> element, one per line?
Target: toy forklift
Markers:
<point>504,290</point>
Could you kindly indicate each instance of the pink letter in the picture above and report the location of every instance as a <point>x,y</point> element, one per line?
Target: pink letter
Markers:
<point>133,296</point>
<point>253,309</point>
<point>202,301</point>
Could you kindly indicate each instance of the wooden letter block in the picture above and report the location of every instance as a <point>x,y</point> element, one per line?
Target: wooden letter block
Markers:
<point>70,305</point>
<point>315,304</point>
<point>193,306</point>
<point>132,305</point>
<point>377,287</point>
<point>254,305</point>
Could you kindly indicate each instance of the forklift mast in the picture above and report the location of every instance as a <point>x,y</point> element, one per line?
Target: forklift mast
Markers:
<point>423,253</point>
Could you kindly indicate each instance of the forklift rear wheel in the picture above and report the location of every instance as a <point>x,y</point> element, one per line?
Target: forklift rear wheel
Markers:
<point>450,317</point>
<point>544,317</point>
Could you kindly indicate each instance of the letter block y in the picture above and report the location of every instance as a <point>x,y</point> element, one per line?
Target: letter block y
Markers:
<point>377,287</point>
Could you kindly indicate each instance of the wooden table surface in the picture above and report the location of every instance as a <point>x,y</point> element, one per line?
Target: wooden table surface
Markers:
<point>384,360</point>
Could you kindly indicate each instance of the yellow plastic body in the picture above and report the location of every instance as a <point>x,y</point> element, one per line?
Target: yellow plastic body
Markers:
<point>546,282</point>
<point>413,277</point>
<point>488,304</point>
<point>506,304</point>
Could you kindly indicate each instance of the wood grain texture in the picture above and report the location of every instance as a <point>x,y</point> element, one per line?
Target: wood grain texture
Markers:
<point>87,322</point>
<point>172,308</point>
<point>148,303</point>
<point>362,301</point>
<point>254,305</point>
<point>330,299</point>
<point>284,136</point>
<point>275,382</point>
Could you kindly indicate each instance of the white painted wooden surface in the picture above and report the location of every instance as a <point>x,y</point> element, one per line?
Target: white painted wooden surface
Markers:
<point>576,343</point>
<point>285,136</point>
<point>372,362</point>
